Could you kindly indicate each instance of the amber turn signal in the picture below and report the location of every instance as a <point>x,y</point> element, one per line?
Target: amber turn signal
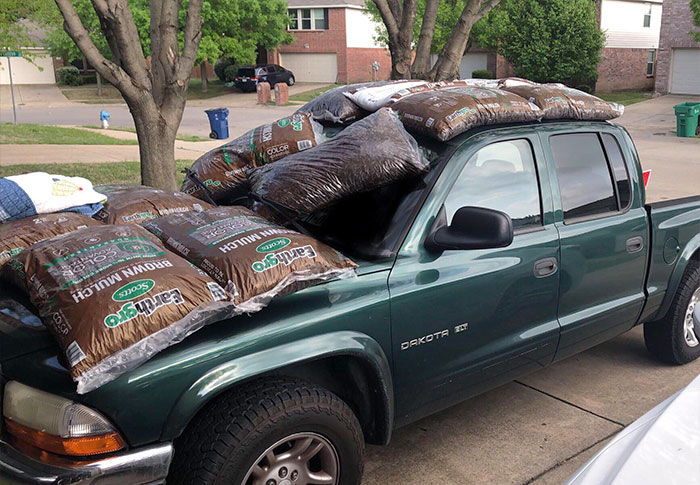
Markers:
<point>78,446</point>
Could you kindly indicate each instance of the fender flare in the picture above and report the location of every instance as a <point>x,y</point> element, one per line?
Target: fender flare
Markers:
<point>229,374</point>
<point>688,251</point>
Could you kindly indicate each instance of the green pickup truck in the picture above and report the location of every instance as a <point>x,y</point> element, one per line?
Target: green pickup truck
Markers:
<point>523,245</point>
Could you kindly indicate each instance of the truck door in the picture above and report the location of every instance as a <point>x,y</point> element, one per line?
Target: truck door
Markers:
<point>464,320</point>
<point>603,230</point>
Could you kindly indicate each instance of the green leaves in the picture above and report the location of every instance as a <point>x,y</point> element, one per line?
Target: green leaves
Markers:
<point>695,10</point>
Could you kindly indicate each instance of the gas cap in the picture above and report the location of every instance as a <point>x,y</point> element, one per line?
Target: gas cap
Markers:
<point>671,250</point>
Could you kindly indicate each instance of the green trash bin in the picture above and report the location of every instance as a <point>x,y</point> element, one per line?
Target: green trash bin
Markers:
<point>687,118</point>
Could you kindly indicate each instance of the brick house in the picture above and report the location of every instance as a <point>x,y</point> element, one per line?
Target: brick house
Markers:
<point>678,65</point>
<point>334,42</point>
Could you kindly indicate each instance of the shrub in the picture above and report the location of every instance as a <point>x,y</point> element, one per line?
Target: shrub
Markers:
<point>482,74</point>
<point>220,67</point>
<point>69,76</point>
<point>230,72</point>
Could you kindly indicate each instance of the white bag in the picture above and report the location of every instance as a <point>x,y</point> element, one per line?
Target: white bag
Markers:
<point>373,98</point>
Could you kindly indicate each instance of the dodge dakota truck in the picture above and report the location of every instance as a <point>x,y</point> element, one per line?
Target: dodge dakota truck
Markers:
<point>523,245</point>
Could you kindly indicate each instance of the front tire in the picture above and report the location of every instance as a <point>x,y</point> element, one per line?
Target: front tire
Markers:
<point>285,430</point>
<point>290,81</point>
<point>673,339</point>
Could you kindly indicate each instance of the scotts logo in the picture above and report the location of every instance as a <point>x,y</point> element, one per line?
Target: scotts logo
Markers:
<point>273,245</point>
<point>133,290</point>
<point>137,247</point>
<point>283,122</point>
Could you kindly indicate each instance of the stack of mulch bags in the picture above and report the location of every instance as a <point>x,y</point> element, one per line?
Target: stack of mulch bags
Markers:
<point>129,270</point>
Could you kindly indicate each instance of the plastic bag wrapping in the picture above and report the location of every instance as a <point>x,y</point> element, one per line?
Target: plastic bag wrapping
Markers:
<point>133,204</point>
<point>445,113</point>
<point>370,153</point>
<point>252,258</point>
<point>223,169</point>
<point>113,297</point>
<point>371,98</point>
<point>21,233</point>
<point>335,107</point>
<point>421,88</point>
<point>558,101</point>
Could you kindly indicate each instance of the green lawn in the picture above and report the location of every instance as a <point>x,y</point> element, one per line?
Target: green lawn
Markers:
<point>307,96</point>
<point>130,129</point>
<point>97,173</point>
<point>626,97</point>
<point>27,133</point>
<point>87,93</point>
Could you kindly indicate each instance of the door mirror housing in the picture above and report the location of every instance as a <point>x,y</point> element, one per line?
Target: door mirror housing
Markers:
<point>471,228</point>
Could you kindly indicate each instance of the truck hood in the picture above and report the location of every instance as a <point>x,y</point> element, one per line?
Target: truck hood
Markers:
<point>21,331</point>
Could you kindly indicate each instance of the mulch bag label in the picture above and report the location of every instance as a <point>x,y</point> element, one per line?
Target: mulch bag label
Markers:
<point>558,101</point>
<point>133,204</point>
<point>335,107</point>
<point>252,258</point>
<point>113,297</point>
<point>223,170</point>
<point>19,234</point>
<point>370,153</point>
<point>445,113</point>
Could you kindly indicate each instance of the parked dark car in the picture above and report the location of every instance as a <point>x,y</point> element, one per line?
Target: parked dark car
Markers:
<point>248,77</point>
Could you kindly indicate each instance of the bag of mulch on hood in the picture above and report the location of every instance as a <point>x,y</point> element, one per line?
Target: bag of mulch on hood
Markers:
<point>558,101</point>
<point>371,98</point>
<point>113,297</point>
<point>223,169</point>
<point>335,107</point>
<point>445,113</point>
<point>35,193</point>
<point>252,258</point>
<point>370,153</point>
<point>133,204</point>
<point>21,233</point>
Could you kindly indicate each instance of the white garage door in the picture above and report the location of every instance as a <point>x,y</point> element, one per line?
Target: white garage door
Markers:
<point>311,68</point>
<point>24,72</point>
<point>685,75</point>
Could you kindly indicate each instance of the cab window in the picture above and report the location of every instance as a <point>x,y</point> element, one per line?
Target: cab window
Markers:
<point>500,176</point>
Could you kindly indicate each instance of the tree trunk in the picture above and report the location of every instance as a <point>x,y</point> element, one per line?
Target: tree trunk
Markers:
<point>203,71</point>
<point>421,63</point>
<point>400,60</point>
<point>156,147</point>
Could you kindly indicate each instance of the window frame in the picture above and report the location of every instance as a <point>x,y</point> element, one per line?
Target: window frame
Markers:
<point>620,209</point>
<point>298,19</point>
<point>647,19</point>
<point>516,231</point>
<point>651,62</point>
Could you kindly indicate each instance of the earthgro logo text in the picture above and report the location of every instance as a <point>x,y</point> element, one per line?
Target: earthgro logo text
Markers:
<point>273,245</point>
<point>133,290</point>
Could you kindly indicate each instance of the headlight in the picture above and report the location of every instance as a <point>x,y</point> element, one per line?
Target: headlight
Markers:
<point>55,424</point>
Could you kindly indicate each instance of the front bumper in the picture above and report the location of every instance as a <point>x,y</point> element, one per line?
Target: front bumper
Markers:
<point>147,465</point>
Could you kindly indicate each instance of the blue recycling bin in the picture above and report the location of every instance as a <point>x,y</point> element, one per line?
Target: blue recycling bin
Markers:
<point>218,121</point>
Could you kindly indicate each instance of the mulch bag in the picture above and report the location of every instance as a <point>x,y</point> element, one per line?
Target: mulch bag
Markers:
<point>371,98</point>
<point>421,88</point>
<point>253,259</point>
<point>134,204</point>
<point>558,101</point>
<point>35,193</point>
<point>113,297</point>
<point>223,169</point>
<point>335,107</point>
<point>445,113</point>
<point>370,153</point>
<point>21,233</point>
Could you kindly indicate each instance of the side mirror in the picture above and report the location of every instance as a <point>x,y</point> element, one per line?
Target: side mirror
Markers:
<point>471,228</point>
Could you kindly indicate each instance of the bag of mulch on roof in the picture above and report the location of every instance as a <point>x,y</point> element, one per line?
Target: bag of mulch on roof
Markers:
<point>558,101</point>
<point>371,98</point>
<point>428,87</point>
<point>35,193</point>
<point>223,169</point>
<point>370,153</point>
<point>335,107</point>
<point>133,204</point>
<point>445,113</point>
<point>21,233</point>
<point>253,259</point>
<point>113,297</point>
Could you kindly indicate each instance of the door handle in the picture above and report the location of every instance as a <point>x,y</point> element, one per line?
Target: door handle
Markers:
<point>634,244</point>
<point>545,267</point>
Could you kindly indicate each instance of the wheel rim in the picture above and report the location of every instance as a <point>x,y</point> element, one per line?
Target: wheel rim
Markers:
<point>689,328</point>
<point>299,459</point>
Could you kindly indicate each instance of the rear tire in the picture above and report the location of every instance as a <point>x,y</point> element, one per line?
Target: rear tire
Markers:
<point>213,135</point>
<point>258,425</point>
<point>672,339</point>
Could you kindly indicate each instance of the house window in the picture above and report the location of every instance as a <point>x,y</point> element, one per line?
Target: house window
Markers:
<point>647,18</point>
<point>651,60</point>
<point>308,19</point>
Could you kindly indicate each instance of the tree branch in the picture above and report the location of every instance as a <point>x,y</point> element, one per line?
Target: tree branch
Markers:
<point>392,27</point>
<point>421,63</point>
<point>193,34</point>
<point>486,7</point>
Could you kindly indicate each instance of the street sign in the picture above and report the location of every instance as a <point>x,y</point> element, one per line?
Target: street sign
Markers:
<point>11,54</point>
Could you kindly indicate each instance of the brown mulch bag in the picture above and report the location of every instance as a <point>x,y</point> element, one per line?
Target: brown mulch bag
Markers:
<point>21,233</point>
<point>252,258</point>
<point>445,113</point>
<point>134,204</point>
<point>335,107</point>
<point>370,153</point>
<point>113,297</point>
<point>421,88</point>
<point>223,169</point>
<point>558,101</point>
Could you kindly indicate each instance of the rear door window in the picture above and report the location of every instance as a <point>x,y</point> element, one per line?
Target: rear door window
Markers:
<point>585,183</point>
<point>619,169</point>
